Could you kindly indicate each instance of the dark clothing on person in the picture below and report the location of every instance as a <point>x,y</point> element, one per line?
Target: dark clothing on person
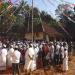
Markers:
<point>15,68</point>
<point>45,51</point>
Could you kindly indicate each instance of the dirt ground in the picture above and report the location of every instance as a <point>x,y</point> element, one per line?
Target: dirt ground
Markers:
<point>49,71</point>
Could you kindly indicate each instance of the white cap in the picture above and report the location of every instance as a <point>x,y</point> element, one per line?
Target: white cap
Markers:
<point>4,45</point>
<point>16,46</point>
<point>51,42</point>
<point>12,46</point>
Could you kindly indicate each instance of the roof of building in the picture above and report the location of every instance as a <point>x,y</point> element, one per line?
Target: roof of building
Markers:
<point>51,31</point>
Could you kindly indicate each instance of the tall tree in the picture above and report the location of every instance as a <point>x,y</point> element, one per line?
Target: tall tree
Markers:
<point>66,16</point>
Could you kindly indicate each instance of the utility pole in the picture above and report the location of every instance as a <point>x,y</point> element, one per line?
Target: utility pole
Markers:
<point>32,24</point>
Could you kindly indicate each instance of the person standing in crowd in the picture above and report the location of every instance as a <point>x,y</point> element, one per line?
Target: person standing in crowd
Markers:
<point>61,54</point>
<point>0,44</point>
<point>3,56</point>
<point>0,48</point>
<point>45,51</point>
<point>15,61</point>
<point>9,56</point>
<point>39,58</point>
<point>36,48</point>
<point>65,60</point>
<point>56,56</point>
<point>30,62</point>
<point>51,53</point>
<point>22,49</point>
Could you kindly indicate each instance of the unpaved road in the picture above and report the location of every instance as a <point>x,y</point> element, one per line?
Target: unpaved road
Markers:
<point>47,72</point>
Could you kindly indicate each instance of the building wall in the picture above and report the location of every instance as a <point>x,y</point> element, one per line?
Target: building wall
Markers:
<point>47,37</point>
<point>37,36</point>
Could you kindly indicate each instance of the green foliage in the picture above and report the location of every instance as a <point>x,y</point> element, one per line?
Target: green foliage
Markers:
<point>22,17</point>
<point>48,19</point>
<point>67,18</point>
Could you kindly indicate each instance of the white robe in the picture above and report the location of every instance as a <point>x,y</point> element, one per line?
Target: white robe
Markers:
<point>30,64</point>
<point>62,51</point>
<point>65,61</point>
<point>52,52</point>
<point>3,59</point>
<point>9,57</point>
<point>57,49</point>
<point>36,51</point>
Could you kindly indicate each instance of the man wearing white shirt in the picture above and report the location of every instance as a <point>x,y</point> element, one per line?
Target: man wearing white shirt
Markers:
<point>0,44</point>
<point>51,51</point>
<point>9,56</point>
<point>56,56</point>
<point>15,61</point>
<point>36,49</point>
<point>62,52</point>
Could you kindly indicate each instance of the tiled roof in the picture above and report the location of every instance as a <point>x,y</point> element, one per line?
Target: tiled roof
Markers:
<point>50,31</point>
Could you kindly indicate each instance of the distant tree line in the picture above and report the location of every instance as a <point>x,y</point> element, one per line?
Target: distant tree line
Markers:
<point>66,15</point>
<point>19,18</point>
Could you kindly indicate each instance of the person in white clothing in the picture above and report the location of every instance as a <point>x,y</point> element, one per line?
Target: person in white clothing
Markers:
<point>0,44</point>
<point>30,63</point>
<point>62,51</point>
<point>56,56</point>
<point>65,60</point>
<point>61,54</point>
<point>52,51</point>
<point>3,58</point>
<point>15,61</point>
<point>9,56</point>
<point>36,49</point>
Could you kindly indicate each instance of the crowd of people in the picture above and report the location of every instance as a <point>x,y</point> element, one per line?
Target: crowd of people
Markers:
<point>40,54</point>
